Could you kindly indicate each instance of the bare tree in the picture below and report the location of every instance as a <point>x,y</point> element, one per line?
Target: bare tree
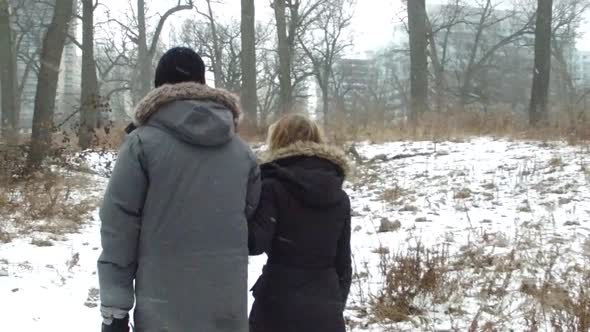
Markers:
<point>439,30</point>
<point>53,45</point>
<point>418,59</point>
<point>248,94</point>
<point>538,111</point>
<point>327,43</point>
<point>215,45</point>
<point>90,96</point>
<point>267,64</point>
<point>115,62</point>
<point>147,46</point>
<point>285,93</point>
<point>567,17</point>
<point>479,53</point>
<point>28,29</point>
<point>8,76</point>
<point>222,49</point>
<point>293,19</point>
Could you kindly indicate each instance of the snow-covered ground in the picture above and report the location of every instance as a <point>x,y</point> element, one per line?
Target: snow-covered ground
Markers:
<point>484,196</point>
<point>523,206</point>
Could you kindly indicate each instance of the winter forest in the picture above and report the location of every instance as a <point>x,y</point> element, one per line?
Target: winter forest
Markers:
<point>466,125</point>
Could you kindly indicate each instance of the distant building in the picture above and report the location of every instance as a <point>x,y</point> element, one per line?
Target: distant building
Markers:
<point>582,69</point>
<point>353,78</point>
<point>34,16</point>
<point>356,78</point>
<point>502,79</point>
<point>367,85</point>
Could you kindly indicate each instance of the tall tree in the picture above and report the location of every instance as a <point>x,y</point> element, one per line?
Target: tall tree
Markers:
<point>267,74</point>
<point>8,77</point>
<point>29,30</point>
<point>248,95</point>
<point>538,111</point>
<point>221,49</point>
<point>327,43</point>
<point>51,53</point>
<point>90,98</point>
<point>481,52</point>
<point>285,62</point>
<point>216,46</point>
<point>418,59</point>
<point>439,35</point>
<point>146,50</point>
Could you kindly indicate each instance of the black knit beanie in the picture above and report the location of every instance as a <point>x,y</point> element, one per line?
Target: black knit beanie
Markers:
<point>178,65</point>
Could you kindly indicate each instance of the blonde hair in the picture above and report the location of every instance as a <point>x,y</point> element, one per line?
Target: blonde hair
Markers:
<point>293,128</point>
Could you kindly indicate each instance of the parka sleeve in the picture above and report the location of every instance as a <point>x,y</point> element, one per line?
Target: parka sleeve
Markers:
<point>343,257</point>
<point>253,191</point>
<point>262,224</point>
<point>120,217</point>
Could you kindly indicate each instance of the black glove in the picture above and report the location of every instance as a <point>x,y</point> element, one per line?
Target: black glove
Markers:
<point>118,325</point>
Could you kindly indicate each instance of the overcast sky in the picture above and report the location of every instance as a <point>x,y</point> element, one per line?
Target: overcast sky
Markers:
<point>372,27</point>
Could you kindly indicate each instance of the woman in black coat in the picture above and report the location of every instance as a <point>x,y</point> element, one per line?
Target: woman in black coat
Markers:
<point>303,224</point>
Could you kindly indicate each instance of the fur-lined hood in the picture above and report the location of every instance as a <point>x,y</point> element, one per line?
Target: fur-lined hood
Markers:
<point>168,93</point>
<point>310,149</point>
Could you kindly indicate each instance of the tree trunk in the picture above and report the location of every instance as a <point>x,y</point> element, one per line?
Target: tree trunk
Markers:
<point>89,97</point>
<point>538,112</point>
<point>326,106</point>
<point>285,93</point>
<point>143,71</point>
<point>248,94</point>
<point>51,53</point>
<point>8,77</point>
<point>418,60</point>
<point>217,70</point>
<point>438,64</point>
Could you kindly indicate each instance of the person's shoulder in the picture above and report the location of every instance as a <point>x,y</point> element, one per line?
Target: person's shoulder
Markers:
<point>241,145</point>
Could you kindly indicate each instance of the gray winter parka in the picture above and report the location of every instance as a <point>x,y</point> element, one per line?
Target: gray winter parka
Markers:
<point>174,230</point>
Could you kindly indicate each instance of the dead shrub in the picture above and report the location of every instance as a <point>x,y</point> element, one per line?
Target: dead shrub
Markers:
<point>381,250</point>
<point>110,137</point>
<point>556,162</point>
<point>417,273</point>
<point>463,193</point>
<point>563,298</point>
<point>392,195</point>
<point>41,243</point>
<point>387,226</point>
<point>44,201</point>
<point>5,237</point>
<point>49,198</point>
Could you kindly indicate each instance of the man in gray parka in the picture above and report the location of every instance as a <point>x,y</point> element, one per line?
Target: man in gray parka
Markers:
<point>174,230</point>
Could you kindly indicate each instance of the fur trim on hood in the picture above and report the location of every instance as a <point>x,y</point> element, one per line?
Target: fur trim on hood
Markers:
<point>168,93</point>
<point>310,149</point>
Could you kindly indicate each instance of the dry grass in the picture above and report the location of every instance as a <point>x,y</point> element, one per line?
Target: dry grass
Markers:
<point>46,202</point>
<point>556,162</point>
<point>5,237</point>
<point>420,281</point>
<point>393,195</point>
<point>387,226</point>
<point>110,137</point>
<point>41,243</point>
<point>417,273</point>
<point>43,201</point>
<point>462,193</point>
<point>458,125</point>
